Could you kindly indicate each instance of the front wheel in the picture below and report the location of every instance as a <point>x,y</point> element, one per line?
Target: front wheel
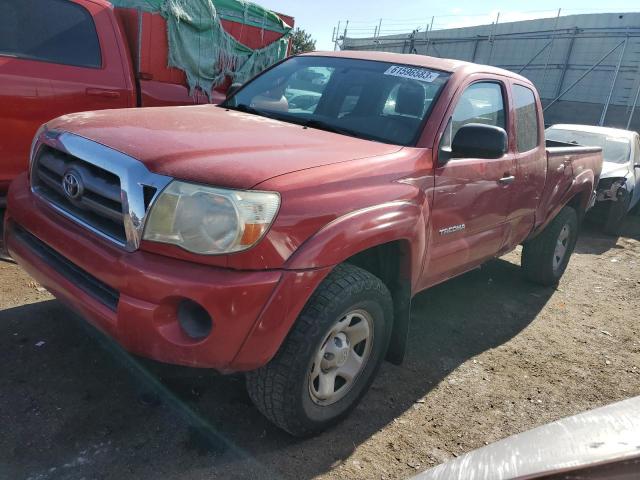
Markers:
<point>331,355</point>
<point>545,257</point>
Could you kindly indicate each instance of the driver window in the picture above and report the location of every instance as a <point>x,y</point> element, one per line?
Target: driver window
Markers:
<point>482,102</point>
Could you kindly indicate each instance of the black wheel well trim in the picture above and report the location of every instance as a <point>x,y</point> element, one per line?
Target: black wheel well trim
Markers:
<point>391,263</point>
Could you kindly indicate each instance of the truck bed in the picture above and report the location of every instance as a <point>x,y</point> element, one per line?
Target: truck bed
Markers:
<point>146,35</point>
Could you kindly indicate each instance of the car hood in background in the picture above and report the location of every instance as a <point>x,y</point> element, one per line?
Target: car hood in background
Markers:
<point>612,169</point>
<point>211,145</point>
<point>604,435</point>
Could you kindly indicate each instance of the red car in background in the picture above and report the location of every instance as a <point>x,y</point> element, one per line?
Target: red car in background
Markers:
<point>64,56</point>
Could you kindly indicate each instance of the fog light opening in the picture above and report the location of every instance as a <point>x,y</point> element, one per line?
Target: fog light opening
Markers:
<point>194,320</point>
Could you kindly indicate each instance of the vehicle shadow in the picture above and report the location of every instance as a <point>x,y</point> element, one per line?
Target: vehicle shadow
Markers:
<point>4,256</point>
<point>596,242</point>
<point>133,418</point>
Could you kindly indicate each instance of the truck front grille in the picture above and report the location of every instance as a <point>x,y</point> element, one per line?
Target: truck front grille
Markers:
<point>83,190</point>
<point>104,190</point>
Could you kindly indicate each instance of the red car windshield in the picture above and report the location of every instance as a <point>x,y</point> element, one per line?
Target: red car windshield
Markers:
<point>362,98</point>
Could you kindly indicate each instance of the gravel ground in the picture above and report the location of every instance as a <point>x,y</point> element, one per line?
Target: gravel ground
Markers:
<point>490,356</point>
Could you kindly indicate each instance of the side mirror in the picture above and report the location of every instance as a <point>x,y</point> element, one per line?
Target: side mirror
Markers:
<point>476,140</point>
<point>233,88</point>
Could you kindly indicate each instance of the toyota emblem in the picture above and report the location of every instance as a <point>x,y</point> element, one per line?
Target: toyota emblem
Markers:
<point>72,185</point>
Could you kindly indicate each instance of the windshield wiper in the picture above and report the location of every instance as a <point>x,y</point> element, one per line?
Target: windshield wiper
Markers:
<point>311,123</point>
<point>320,125</point>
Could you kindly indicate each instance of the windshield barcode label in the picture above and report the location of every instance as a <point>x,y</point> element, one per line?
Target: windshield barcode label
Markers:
<point>421,74</point>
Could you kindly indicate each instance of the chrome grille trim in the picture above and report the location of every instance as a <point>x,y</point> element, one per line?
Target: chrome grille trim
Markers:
<point>132,174</point>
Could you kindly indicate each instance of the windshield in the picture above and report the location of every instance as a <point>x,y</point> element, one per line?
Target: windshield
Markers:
<point>361,98</point>
<point>614,149</point>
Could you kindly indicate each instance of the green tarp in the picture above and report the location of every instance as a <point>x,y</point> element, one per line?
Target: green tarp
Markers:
<point>199,45</point>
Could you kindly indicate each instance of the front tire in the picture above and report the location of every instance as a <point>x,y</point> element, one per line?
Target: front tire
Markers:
<point>545,257</point>
<point>330,357</point>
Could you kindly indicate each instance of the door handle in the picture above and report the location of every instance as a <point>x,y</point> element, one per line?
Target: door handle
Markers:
<point>102,92</point>
<point>507,179</point>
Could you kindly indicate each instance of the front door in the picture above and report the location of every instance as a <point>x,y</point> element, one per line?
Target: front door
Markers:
<point>471,195</point>
<point>56,57</point>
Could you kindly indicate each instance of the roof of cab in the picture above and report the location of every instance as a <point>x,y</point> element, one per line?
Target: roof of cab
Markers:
<point>612,132</point>
<point>444,64</point>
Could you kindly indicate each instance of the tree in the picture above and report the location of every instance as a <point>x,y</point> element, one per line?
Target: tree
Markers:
<point>301,42</point>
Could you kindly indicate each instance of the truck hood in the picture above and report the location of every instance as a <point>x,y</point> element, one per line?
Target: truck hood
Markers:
<point>211,145</point>
<point>614,170</point>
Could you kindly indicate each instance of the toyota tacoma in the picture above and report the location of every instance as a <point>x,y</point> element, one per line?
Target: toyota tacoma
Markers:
<point>284,234</point>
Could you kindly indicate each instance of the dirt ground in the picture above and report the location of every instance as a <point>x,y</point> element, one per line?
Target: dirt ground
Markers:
<point>490,355</point>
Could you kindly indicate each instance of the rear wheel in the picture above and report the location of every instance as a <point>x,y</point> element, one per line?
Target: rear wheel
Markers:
<point>616,215</point>
<point>4,255</point>
<point>330,357</point>
<point>545,258</point>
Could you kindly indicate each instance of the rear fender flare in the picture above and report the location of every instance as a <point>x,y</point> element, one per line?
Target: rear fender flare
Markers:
<point>583,187</point>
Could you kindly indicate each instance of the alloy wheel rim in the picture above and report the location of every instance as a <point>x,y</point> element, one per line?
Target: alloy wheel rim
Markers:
<point>562,245</point>
<point>341,357</point>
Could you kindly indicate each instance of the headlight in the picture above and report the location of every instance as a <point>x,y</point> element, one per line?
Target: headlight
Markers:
<point>209,220</point>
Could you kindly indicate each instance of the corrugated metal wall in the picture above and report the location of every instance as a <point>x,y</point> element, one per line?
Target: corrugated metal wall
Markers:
<point>554,53</point>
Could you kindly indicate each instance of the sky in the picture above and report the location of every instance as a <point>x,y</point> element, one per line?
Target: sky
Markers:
<point>399,16</point>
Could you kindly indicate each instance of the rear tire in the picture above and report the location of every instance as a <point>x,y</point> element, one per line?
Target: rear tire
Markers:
<point>545,257</point>
<point>636,209</point>
<point>4,255</point>
<point>616,215</point>
<point>302,389</point>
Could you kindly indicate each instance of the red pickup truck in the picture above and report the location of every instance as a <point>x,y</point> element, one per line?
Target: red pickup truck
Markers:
<point>284,232</point>
<point>63,56</point>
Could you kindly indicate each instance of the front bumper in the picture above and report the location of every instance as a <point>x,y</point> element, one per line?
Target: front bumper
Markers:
<point>133,296</point>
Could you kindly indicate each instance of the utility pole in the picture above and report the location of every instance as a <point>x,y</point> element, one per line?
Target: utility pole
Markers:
<point>613,83</point>
<point>633,108</point>
<point>335,42</point>
<point>546,63</point>
<point>493,37</point>
<point>379,27</point>
<point>427,35</point>
<point>344,35</point>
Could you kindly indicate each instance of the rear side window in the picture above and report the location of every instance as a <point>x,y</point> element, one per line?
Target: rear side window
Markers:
<point>481,102</point>
<point>55,31</point>
<point>526,118</point>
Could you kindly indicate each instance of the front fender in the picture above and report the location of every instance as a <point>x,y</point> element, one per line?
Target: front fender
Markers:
<point>339,240</point>
<point>362,229</point>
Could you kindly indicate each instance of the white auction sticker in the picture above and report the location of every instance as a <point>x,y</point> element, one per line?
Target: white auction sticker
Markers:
<point>421,74</point>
